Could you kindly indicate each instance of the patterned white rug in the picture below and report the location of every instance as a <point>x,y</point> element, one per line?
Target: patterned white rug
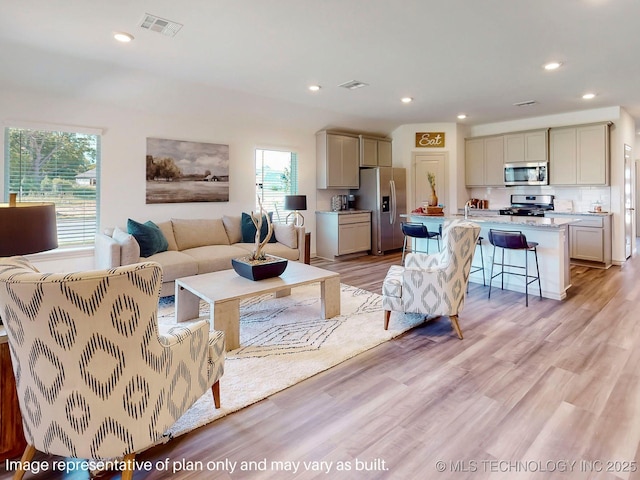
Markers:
<point>284,341</point>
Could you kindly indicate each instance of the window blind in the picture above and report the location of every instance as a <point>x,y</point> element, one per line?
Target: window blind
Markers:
<point>61,167</point>
<point>276,176</point>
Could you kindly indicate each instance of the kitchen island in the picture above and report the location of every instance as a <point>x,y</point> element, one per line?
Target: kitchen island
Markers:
<point>551,234</point>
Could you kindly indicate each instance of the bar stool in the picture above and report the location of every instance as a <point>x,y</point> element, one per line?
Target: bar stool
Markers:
<point>514,240</point>
<point>477,268</point>
<point>417,230</point>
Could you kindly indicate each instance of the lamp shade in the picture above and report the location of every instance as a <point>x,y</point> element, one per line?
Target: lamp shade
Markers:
<point>295,202</point>
<point>27,228</point>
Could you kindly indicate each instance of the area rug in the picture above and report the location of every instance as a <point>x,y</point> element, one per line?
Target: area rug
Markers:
<point>284,341</point>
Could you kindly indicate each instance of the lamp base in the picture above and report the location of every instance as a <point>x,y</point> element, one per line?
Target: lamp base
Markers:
<point>298,219</point>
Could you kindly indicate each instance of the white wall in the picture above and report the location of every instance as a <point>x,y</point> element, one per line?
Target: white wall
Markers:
<point>404,141</point>
<point>122,182</point>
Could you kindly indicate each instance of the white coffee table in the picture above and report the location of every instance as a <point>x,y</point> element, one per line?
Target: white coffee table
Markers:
<point>223,291</point>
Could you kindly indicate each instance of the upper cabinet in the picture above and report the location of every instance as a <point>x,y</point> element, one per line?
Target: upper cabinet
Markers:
<point>337,160</point>
<point>375,152</point>
<point>526,146</point>
<point>579,155</point>
<point>484,161</point>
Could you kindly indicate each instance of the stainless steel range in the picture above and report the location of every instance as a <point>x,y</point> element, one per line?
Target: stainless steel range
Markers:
<point>529,205</point>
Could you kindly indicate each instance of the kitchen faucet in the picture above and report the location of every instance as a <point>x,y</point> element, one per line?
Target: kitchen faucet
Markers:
<point>466,209</point>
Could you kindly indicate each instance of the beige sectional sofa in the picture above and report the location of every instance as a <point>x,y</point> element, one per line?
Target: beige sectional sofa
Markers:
<point>195,246</point>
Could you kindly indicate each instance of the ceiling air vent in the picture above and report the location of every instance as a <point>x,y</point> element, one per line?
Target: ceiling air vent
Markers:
<point>160,25</point>
<point>526,103</point>
<point>353,85</point>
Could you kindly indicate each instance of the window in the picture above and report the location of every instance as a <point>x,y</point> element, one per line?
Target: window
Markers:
<point>59,167</point>
<point>276,176</point>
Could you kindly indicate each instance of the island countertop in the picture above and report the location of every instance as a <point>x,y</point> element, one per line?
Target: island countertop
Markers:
<point>502,220</point>
<point>550,234</point>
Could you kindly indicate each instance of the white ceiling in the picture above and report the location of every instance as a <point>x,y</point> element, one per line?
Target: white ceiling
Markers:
<point>451,56</point>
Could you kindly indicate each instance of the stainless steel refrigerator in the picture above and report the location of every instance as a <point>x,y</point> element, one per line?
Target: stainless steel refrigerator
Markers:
<point>383,191</point>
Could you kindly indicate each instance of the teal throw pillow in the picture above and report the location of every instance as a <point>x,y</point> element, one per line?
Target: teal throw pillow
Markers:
<point>249,229</point>
<point>149,237</point>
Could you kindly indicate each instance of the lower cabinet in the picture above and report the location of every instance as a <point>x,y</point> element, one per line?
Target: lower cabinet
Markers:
<point>342,233</point>
<point>587,243</point>
<point>589,239</point>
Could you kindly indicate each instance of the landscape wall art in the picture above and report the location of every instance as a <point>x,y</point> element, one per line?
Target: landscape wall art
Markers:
<point>180,171</point>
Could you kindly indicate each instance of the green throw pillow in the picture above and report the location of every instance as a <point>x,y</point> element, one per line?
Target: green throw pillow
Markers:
<point>149,237</point>
<point>249,229</point>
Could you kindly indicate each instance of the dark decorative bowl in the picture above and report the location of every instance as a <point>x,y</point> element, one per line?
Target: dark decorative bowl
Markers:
<point>274,267</point>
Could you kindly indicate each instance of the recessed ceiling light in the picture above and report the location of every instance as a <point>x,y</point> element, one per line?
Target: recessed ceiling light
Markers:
<point>588,96</point>
<point>314,88</point>
<point>123,37</point>
<point>552,65</point>
<point>406,99</point>
<point>462,116</point>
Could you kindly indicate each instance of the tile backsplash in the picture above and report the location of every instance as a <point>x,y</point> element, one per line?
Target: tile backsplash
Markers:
<point>582,198</point>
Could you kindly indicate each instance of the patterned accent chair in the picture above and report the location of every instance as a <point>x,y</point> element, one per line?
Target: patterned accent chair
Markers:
<point>97,377</point>
<point>433,285</point>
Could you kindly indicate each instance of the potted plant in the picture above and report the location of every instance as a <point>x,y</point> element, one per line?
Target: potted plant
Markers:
<point>433,201</point>
<point>259,265</point>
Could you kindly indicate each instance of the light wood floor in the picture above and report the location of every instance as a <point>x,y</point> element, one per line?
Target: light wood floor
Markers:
<point>527,388</point>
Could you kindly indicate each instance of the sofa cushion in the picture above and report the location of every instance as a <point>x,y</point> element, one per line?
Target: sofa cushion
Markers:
<point>129,248</point>
<point>192,233</point>
<point>286,234</point>
<point>167,230</point>
<point>232,226</point>
<point>212,258</point>
<point>175,265</point>
<point>148,236</point>
<point>277,249</point>
<point>249,229</point>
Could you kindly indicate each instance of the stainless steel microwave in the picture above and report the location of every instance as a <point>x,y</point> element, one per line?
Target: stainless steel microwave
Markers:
<point>526,173</point>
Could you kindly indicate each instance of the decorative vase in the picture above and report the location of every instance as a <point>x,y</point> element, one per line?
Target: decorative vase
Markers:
<point>433,201</point>
<point>259,270</point>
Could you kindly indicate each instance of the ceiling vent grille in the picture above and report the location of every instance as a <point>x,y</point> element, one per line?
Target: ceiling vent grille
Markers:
<point>526,103</point>
<point>160,25</point>
<point>353,85</point>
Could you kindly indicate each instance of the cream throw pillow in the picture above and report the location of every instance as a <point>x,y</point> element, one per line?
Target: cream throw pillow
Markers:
<point>286,234</point>
<point>233,228</point>
<point>129,248</point>
<point>199,232</point>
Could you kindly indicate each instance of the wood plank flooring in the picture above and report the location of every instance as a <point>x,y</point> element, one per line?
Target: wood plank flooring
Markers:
<point>527,392</point>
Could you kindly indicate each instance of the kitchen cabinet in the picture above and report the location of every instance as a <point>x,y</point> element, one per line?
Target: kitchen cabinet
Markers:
<point>375,152</point>
<point>342,233</point>
<point>579,155</point>
<point>484,161</point>
<point>589,239</point>
<point>337,160</point>
<point>526,146</point>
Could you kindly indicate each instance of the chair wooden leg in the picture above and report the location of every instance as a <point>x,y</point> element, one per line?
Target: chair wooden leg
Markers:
<point>27,455</point>
<point>129,461</point>
<point>387,315</point>
<point>215,388</point>
<point>456,327</point>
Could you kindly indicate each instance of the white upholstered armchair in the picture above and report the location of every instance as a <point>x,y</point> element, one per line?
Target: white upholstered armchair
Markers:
<point>433,285</point>
<point>97,377</point>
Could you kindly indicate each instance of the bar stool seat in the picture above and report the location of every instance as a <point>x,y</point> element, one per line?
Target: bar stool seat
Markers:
<point>514,240</point>
<point>417,230</point>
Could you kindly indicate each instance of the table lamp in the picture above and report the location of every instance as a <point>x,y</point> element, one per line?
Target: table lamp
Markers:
<point>27,227</point>
<point>296,203</point>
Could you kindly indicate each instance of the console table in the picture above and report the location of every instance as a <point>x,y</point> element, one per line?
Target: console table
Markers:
<point>12,442</point>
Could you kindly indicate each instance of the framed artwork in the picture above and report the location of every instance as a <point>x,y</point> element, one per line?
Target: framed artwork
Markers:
<point>181,172</point>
